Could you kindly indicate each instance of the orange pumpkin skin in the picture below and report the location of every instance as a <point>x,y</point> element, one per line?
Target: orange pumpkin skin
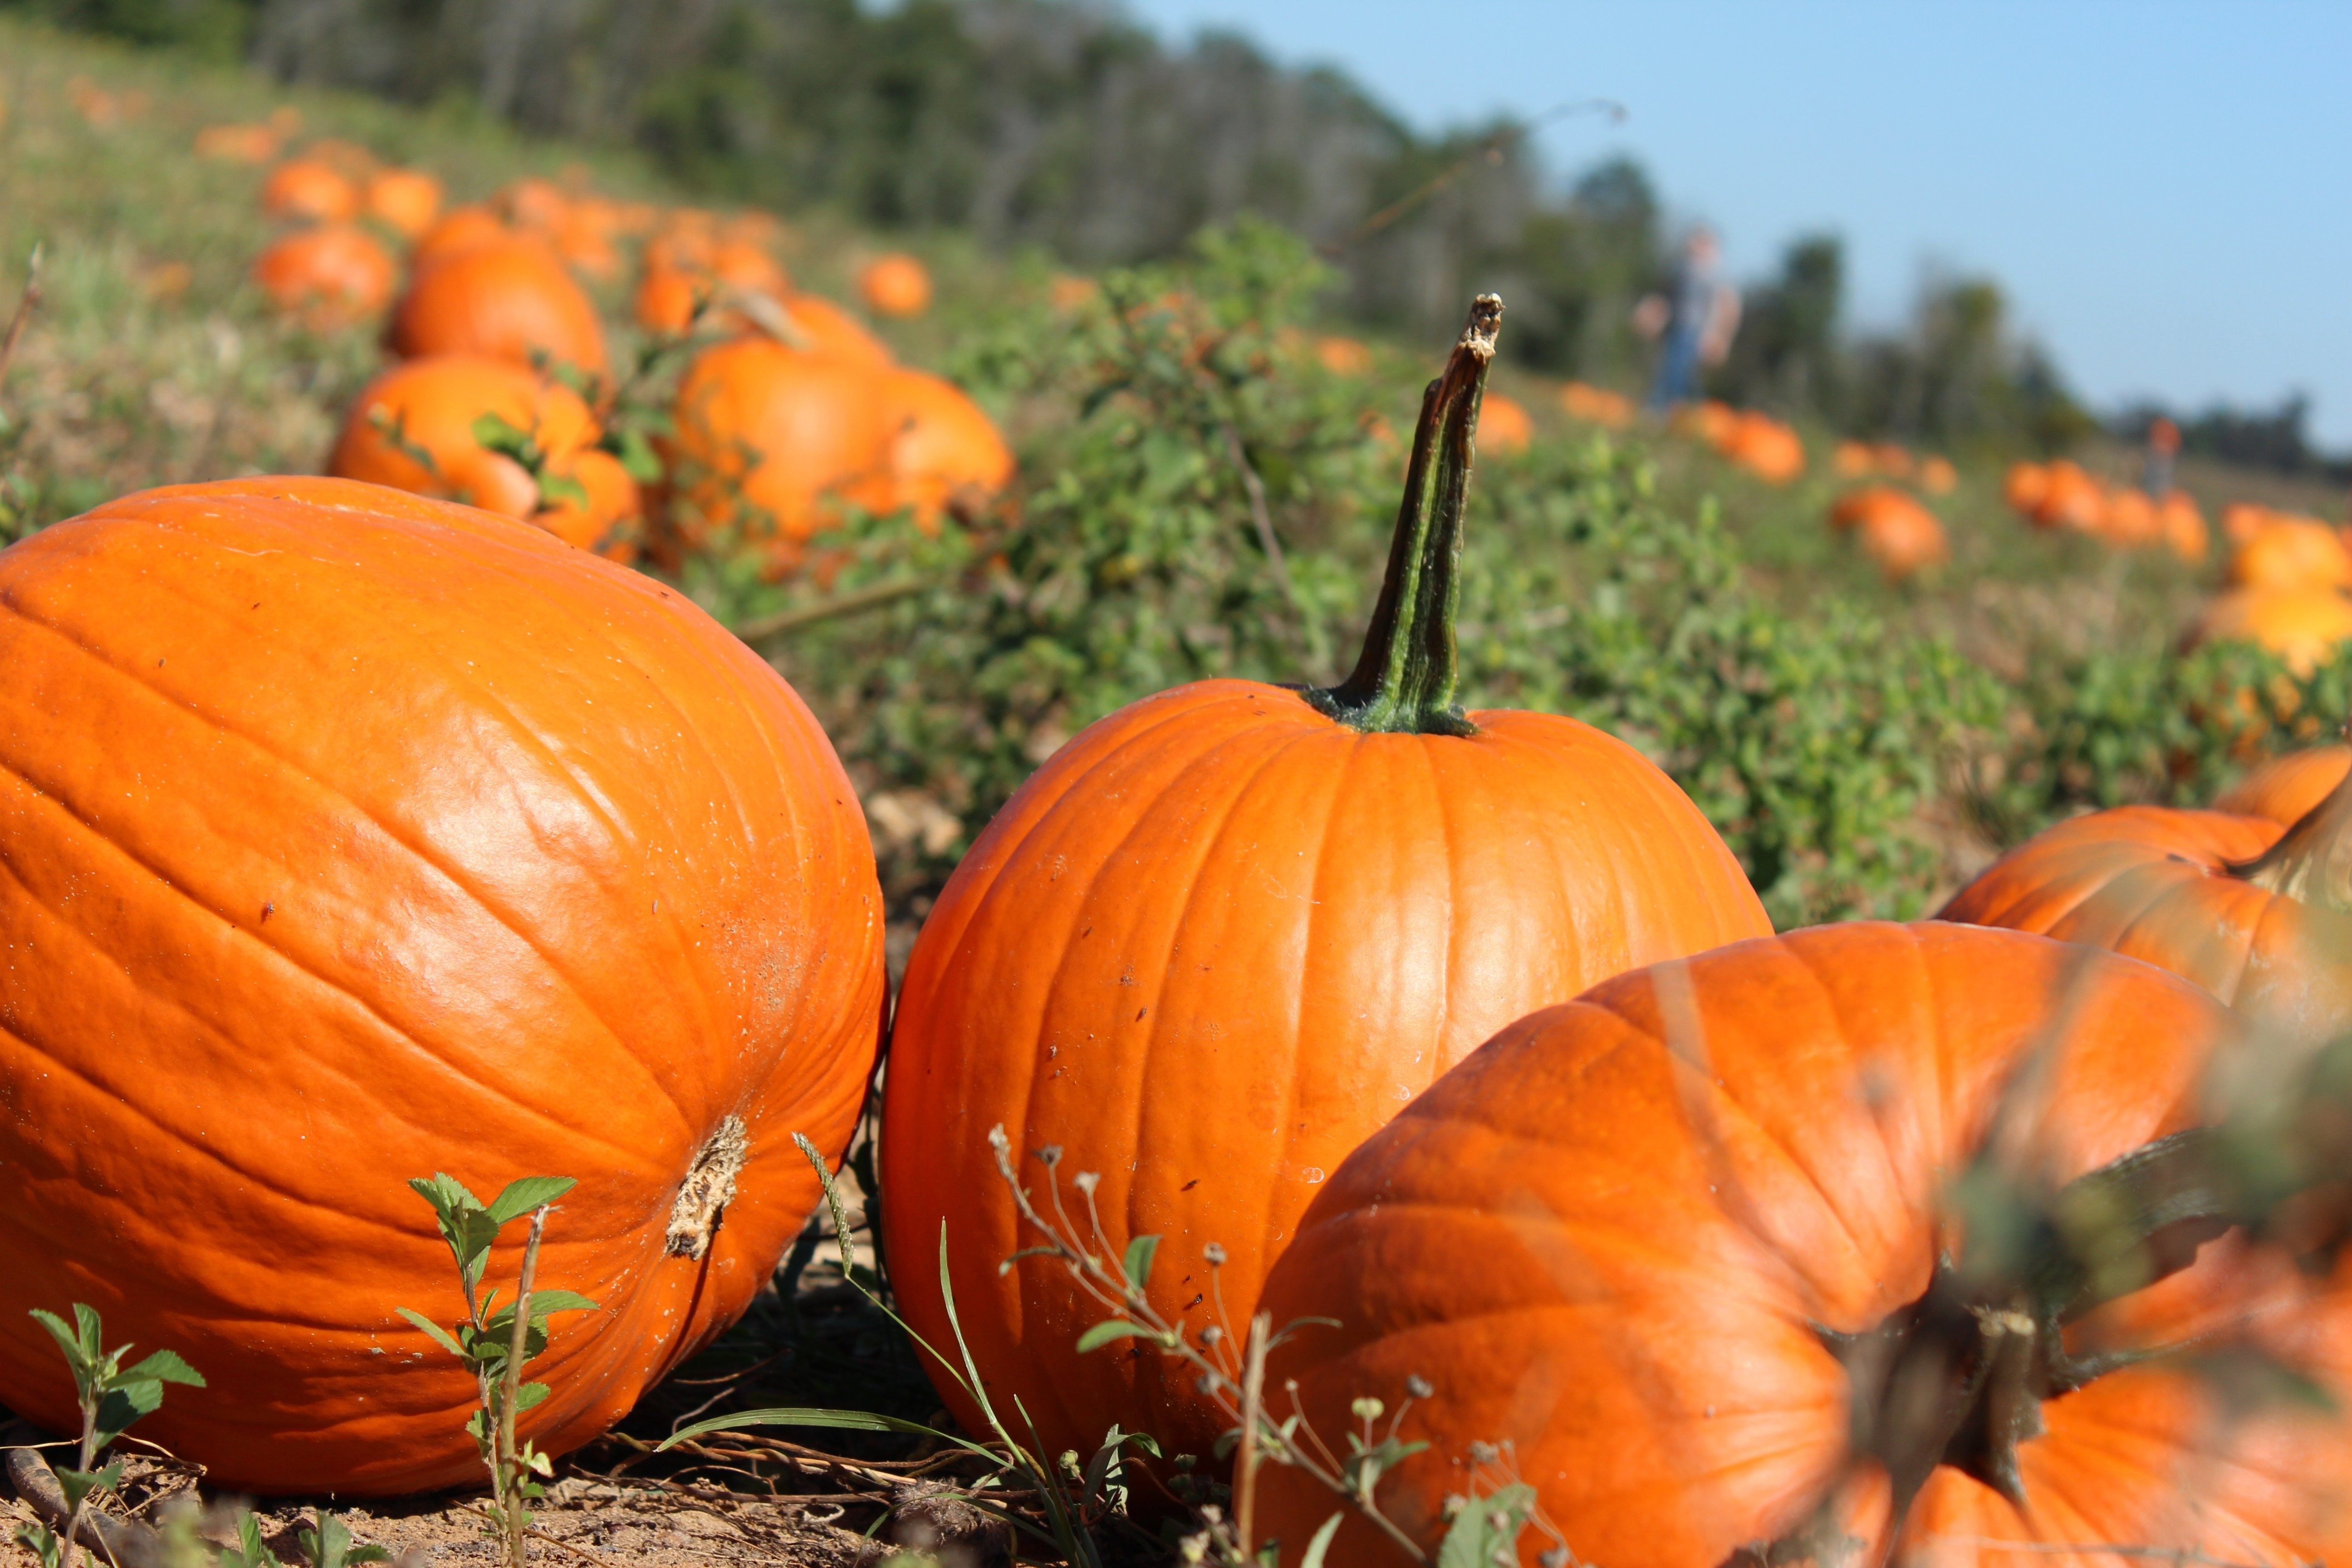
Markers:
<point>510,299</point>
<point>332,276</point>
<point>668,298</point>
<point>433,403</point>
<point>1505,424</point>
<point>2184,527</point>
<point>352,835</point>
<point>2285,788</point>
<point>407,200</point>
<point>766,439</point>
<point>461,229</point>
<point>608,515</point>
<point>2132,519</point>
<point>1668,1183</point>
<point>1894,531</point>
<point>944,450</point>
<point>2303,625</point>
<point>894,285</point>
<point>2161,885</point>
<point>741,265</point>
<point>2292,552</point>
<point>2071,498</point>
<point>306,188</point>
<point>1765,447</point>
<point>2024,487</point>
<point>1220,888</point>
<point>830,330</point>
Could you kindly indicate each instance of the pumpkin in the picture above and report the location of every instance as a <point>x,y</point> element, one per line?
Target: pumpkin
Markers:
<point>2132,519</point>
<point>2291,552</point>
<point>2257,910</point>
<point>894,285</point>
<point>1764,446</point>
<point>820,326</point>
<point>353,835</point>
<point>1709,420</point>
<point>1227,931</point>
<point>2242,519</point>
<point>510,298</point>
<point>413,429</point>
<point>766,439</point>
<point>1852,460</point>
<point>2303,625</point>
<point>330,276</point>
<point>533,203</point>
<point>408,201</point>
<point>2184,526</point>
<point>306,188</point>
<point>238,143</point>
<point>1623,1237</point>
<point>2284,788</point>
<point>2023,488</point>
<point>1891,460</point>
<point>2071,498</point>
<point>1504,424</point>
<point>944,452</point>
<point>459,230</point>
<point>668,298</point>
<point>1894,530</point>
<point>583,236</point>
<point>348,159</point>
<point>1342,356</point>
<point>746,267</point>
<point>1938,476</point>
<point>1597,405</point>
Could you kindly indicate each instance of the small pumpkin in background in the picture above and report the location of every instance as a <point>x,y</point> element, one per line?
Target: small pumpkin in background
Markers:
<point>1700,1196</point>
<point>2303,625</point>
<point>1852,460</point>
<point>1227,931</point>
<point>1899,534</point>
<point>668,300</point>
<point>2286,551</point>
<point>945,453</point>
<point>354,162</point>
<point>239,143</point>
<point>455,849</point>
<point>767,440</point>
<point>511,299</point>
<point>420,426</point>
<point>333,275</point>
<point>1340,356</point>
<point>2070,499</point>
<point>307,189</point>
<point>894,285</point>
<point>1504,424</point>
<point>1938,476</point>
<point>406,201</point>
<point>1597,405</point>
<point>534,203</point>
<point>1764,446</point>
<point>2023,488</point>
<point>2184,527</point>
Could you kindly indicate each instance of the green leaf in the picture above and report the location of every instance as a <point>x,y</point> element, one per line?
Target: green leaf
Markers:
<point>1140,1254</point>
<point>67,1341</point>
<point>1112,1328</point>
<point>528,1394</point>
<point>80,1484</point>
<point>439,1335</point>
<point>1320,1542</point>
<point>86,1320</point>
<point>637,454</point>
<point>842,1420</point>
<point>164,1366</point>
<point>1488,1531</point>
<point>493,433</point>
<point>545,1301</point>
<point>124,1405</point>
<point>527,1192</point>
<point>250,1551</point>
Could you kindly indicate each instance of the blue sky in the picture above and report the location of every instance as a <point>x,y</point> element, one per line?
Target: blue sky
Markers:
<point>2165,188</point>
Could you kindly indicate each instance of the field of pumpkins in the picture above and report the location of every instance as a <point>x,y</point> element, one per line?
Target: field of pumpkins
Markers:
<point>681,884</point>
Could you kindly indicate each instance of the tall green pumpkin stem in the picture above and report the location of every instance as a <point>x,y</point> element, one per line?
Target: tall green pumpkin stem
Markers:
<point>1404,682</point>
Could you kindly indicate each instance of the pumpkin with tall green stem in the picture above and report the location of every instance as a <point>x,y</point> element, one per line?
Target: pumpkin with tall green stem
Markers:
<point>1227,932</point>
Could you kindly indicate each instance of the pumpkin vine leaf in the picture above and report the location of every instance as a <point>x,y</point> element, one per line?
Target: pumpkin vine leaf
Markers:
<point>112,1397</point>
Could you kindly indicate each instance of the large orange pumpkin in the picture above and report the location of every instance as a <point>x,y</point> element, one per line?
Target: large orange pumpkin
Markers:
<point>894,285</point>
<point>1232,929</point>
<point>944,451</point>
<point>765,439</point>
<point>330,276</point>
<point>460,229</point>
<point>2286,787</point>
<point>1623,1236</point>
<point>307,188</point>
<point>2292,552</point>
<point>413,429</point>
<point>2303,625</point>
<point>2257,911</point>
<point>407,200</point>
<point>352,836</point>
<point>508,298</point>
<point>820,326</point>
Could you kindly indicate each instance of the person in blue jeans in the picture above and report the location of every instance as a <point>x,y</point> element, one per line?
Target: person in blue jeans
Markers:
<point>1693,320</point>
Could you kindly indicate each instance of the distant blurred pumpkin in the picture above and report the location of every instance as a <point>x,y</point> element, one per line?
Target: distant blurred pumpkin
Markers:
<point>2070,499</point>
<point>1342,356</point>
<point>1938,476</point>
<point>1597,405</point>
<point>307,189</point>
<point>894,285</point>
<point>1892,528</point>
<point>330,276</point>
<point>1765,447</point>
<point>508,298</point>
<point>238,143</point>
<point>1504,425</point>
<point>944,451</point>
<point>406,200</point>
<point>2184,527</point>
<point>2291,552</point>
<point>2301,626</point>
<point>2132,520</point>
<point>458,231</point>
<point>2023,488</point>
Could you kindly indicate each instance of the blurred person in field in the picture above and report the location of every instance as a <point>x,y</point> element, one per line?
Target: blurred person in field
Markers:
<point>1693,320</point>
<point>2163,447</point>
